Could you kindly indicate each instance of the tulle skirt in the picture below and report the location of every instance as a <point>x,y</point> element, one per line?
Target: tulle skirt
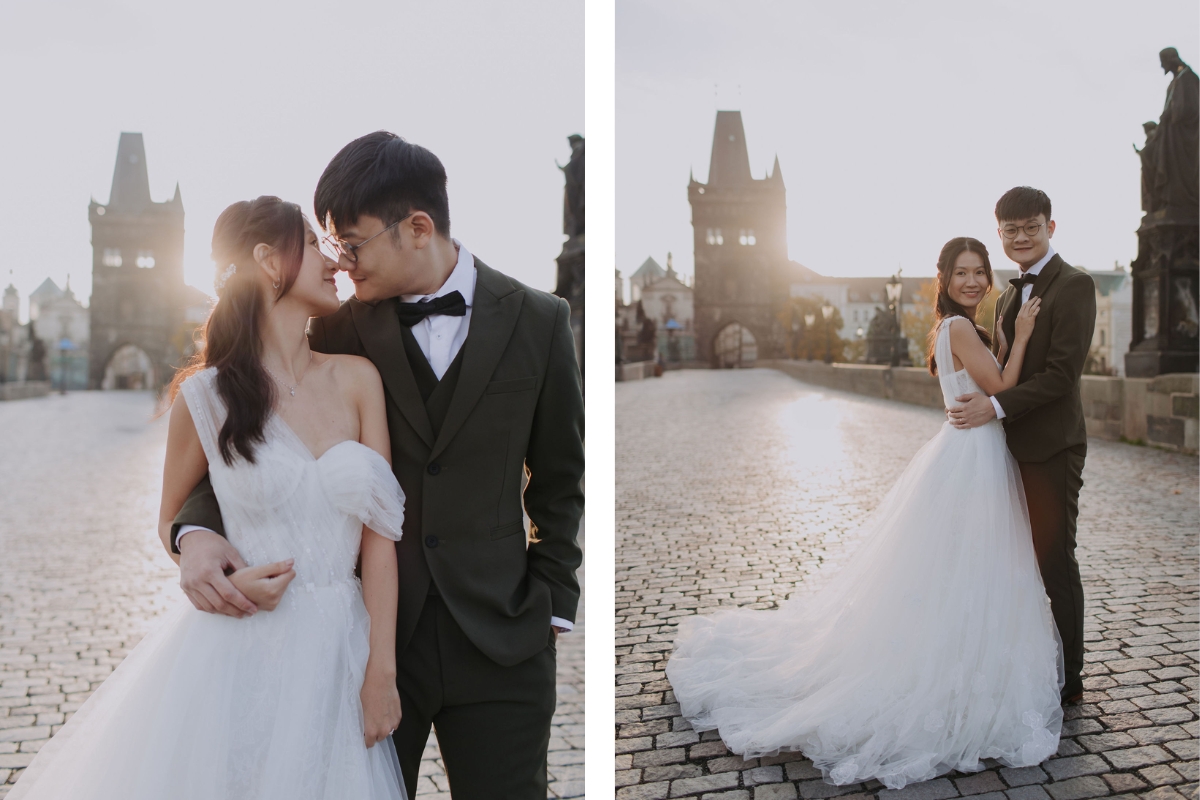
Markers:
<point>207,706</point>
<point>932,648</point>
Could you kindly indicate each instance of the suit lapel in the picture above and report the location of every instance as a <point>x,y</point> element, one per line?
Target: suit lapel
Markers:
<point>1007,310</point>
<point>379,329</point>
<point>1046,276</point>
<point>493,317</point>
<point>1040,285</point>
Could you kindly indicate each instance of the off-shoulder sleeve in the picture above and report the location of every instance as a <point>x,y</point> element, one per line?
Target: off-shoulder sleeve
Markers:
<point>363,486</point>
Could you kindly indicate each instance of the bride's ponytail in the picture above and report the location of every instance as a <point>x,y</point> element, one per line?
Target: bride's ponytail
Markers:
<point>232,335</point>
<point>943,305</point>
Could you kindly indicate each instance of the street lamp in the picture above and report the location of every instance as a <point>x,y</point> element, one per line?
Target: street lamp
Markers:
<point>827,313</point>
<point>810,319</point>
<point>894,290</point>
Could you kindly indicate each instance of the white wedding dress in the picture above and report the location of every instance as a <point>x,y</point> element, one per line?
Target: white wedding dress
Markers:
<point>932,648</point>
<point>208,706</point>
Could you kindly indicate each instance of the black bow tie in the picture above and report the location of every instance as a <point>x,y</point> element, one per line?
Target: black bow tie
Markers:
<point>1017,283</point>
<point>452,305</point>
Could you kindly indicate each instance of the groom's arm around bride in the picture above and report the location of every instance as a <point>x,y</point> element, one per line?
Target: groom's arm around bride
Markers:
<point>1044,423</point>
<point>481,385</point>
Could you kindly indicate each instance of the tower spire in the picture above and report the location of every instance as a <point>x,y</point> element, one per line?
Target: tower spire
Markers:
<point>730,162</point>
<point>131,183</point>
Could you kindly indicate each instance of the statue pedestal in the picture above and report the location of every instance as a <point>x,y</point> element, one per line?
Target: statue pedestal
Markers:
<point>1166,303</point>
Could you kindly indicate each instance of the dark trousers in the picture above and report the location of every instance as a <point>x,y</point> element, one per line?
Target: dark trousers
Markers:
<point>492,722</point>
<point>1052,492</point>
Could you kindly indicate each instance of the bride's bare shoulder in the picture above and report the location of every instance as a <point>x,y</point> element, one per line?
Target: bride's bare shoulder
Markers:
<point>352,368</point>
<point>355,375</point>
<point>962,330</point>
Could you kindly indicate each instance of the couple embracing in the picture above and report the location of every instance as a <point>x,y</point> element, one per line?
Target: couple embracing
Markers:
<point>954,632</point>
<point>345,491</point>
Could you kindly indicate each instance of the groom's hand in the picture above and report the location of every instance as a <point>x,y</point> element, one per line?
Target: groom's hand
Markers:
<point>203,559</point>
<point>557,630</point>
<point>976,410</point>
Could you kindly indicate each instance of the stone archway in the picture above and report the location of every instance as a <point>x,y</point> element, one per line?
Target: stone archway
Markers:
<point>734,346</point>
<point>129,368</point>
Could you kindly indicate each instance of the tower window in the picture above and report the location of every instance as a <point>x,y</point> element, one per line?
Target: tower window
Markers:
<point>145,259</point>
<point>713,236</point>
<point>746,237</point>
<point>112,257</point>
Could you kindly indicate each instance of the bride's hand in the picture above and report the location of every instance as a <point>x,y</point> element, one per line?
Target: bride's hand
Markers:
<point>1025,319</point>
<point>380,703</point>
<point>264,585</point>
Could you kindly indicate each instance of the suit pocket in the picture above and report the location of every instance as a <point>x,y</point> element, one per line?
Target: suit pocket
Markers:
<point>508,529</point>
<point>514,385</point>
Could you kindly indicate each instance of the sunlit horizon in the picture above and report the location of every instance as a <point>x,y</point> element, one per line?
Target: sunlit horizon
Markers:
<point>895,130</point>
<point>232,111</point>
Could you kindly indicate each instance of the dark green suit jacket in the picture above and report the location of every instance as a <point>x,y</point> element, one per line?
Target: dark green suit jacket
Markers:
<point>518,403</point>
<point>1043,413</point>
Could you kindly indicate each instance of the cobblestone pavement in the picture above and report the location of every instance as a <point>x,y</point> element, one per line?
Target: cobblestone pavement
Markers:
<point>83,575</point>
<point>732,486</point>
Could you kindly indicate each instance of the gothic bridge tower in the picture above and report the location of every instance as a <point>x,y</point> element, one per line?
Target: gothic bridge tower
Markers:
<point>138,296</point>
<point>739,229</point>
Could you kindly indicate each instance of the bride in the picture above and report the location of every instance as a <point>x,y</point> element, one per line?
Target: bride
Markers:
<point>933,647</point>
<point>295,700</point>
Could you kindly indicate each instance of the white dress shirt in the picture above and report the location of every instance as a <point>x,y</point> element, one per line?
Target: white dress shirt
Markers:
<point>440,337</point>
<point>1026,290</point>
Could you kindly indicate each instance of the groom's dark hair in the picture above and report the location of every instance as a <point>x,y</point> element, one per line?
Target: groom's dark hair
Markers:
<point>382,175</point>
<point>1022,202</point>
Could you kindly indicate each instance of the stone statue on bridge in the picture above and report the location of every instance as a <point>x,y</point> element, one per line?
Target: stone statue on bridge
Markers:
<point>1166,272</point>
<point>1147,154</point>
<point>573,195</point>
<point>1173,145</point>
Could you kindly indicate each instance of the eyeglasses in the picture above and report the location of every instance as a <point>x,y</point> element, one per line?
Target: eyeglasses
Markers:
<point>350,251</point>
<point>1030,228</point>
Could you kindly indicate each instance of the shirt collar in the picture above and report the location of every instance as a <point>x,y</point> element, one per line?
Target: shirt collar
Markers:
<point>1037,268</point>
<point>461,280</point>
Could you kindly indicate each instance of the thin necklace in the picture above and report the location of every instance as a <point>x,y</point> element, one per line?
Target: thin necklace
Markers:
<point>291,389</point>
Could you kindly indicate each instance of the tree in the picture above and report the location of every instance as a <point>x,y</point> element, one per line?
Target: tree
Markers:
<point>812,343</point>
<point>918,320</point>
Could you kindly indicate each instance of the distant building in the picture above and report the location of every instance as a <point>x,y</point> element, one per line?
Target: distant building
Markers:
<point>647,273</point>
<point>139,330</point>
<point>670,302</point>
<point>64,326</point>
<point>1114,318</point>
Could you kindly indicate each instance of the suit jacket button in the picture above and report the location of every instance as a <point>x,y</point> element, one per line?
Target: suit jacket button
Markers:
<point>434,468</point>
<point>431,541</point>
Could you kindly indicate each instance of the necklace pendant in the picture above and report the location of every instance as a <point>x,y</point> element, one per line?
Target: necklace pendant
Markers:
<point>293,391</point>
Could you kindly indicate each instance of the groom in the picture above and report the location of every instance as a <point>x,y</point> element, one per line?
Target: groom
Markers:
<point>482,389</point>
<point>1043,413</point>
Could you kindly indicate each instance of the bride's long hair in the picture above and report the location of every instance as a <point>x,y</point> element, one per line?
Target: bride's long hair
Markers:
<point>943,305</point>
<point>232,335</point>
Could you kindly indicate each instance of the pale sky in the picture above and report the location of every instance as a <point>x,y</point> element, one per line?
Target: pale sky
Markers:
<point>897,125</point>
<point>237,99</point>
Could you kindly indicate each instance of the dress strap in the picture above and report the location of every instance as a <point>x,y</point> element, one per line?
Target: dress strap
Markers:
<point>945,361</point>
<point>207,409</point>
